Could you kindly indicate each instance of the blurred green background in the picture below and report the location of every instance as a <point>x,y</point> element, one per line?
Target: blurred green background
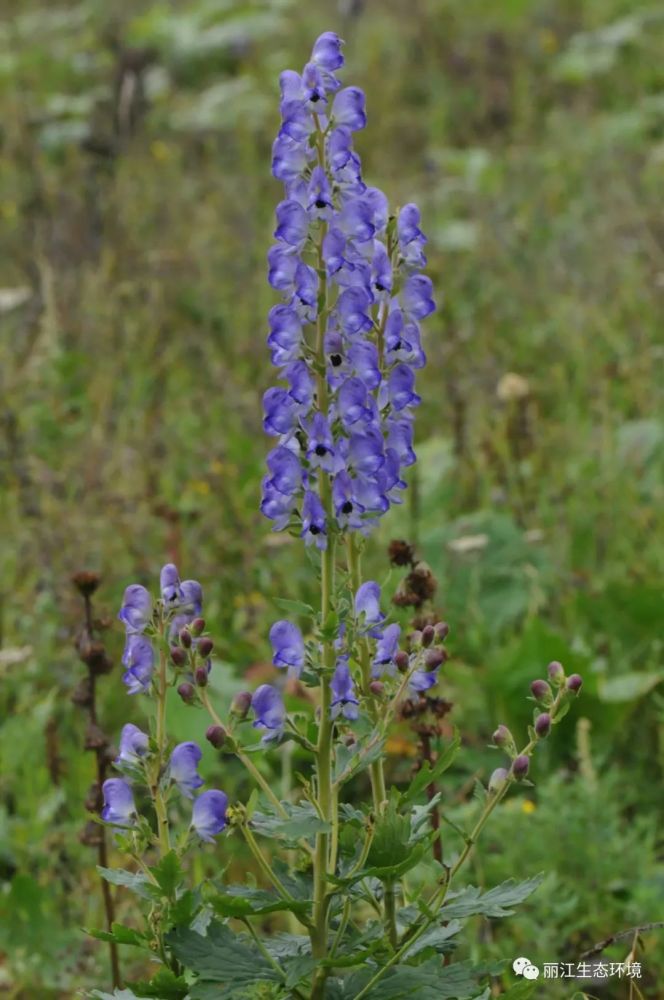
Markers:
<point>136,210</point>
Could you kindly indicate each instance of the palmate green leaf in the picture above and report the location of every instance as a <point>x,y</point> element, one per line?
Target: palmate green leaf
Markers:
<point>164,985</point>
<point>429,981</point>
<point>497,902</point>
<point>135,881</point>
<point>120,935</point>
<point>245,901</point>
<point>437,937</point>
<point>428,774</point>
<point>221,957</point>
<point>302,821</point>
<point>168,873</point>
<point>349,761</point>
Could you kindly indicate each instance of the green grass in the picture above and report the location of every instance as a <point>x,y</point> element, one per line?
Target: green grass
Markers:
<point>130,383</point>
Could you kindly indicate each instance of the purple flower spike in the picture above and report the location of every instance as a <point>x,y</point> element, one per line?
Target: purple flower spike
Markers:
<point>136,608</point>
<point>287,647</point>
<point>119,807</point>
<point>138,658</point>
<point>133,745</point>
<point>344,700</point>
<point>183,768</point>
<point>269,710</point>
<point>386,650</point>
<point>169,582</point>
<point>367,603</point>
<point>208,816</point>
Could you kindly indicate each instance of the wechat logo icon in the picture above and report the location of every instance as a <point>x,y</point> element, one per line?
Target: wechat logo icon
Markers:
<point>524,967</point>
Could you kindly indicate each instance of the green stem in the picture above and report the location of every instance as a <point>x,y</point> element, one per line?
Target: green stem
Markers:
<point>264,865</point>
<point>268,957</point>
<point>391,914</point>
<point>159,801</point>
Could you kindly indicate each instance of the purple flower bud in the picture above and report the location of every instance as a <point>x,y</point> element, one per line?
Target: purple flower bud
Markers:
<point>498,779</point>
<point>542,691</point>
<point>402,661</point>
<point>520,766</point>
<point>216,735</point>
<point>133,745</point>
<point>185,638</point>
<point>201,675</point>
<point>269,710</point>
<point>442,631</point>
<point>427,636</point>
<point>197,626</point>
<point>556,673</point>
<point>503,738</point>
<point>434,657</point>
<point>187,692</point>
<point>119,807</point>
<point>169,582</point>
<point>183,768</point>
<point>205,646</point>
<point>543,725</point>
<point>287,647</point>
<point>241,704</point>
<point>209,814</point>
<point>377,688</point>
<point>136,609</point>
<point>178,656</point>
<point>574,682</point>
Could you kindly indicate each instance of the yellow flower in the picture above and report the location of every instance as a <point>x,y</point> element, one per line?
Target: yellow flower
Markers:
<point>528,806</point>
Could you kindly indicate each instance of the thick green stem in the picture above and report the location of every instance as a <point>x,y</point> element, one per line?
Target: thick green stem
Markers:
<point>391,914</point>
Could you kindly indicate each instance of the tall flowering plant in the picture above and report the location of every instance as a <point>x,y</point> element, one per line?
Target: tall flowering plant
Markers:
<point>371,904</point>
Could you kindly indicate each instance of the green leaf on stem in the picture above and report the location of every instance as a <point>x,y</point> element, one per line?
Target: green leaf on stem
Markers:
<point>244,901</point>
<point>120,935</point>
<point>164,985</point>
<point>134,881</point>
<point>437,938</point>
<point>349,761</point>
<point>429,981</point>
<point>497,902</point>
<point>428,774</point>
<point>221,957</point>
<point>302,820</point>
<point>168,873</point>
<point>295,607</point>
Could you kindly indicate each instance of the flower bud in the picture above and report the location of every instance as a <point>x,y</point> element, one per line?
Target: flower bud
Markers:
<point>185,638</point>
<point>377,688</point>
<point>433,658</point>
<point>498,779</point>
<point>574,682</point>
<point>556,672</point>
<point>178,656</point>
<point>428,635</point>
<point>442,631</point>
<point>187,692</point>
<point>205,646</point>
<point>503,738</point>
<point>201,676</point>
<point>241,704</point>
<point>197,626</point>
<point>542,691</point>
<point>216,735</point>
<point>402,661</point>
<point>520,766</point>
<point>543,725</point>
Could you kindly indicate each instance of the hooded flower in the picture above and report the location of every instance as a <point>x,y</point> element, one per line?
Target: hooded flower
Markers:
<point>270,713</point>
<point>138,658</point>
<point>136,609</point>
<point>183,768</point>
<point>208,817</point>
<point>119,807</point>
<point>344,700</point>
<point>133,745</point>
<point>287,647</point>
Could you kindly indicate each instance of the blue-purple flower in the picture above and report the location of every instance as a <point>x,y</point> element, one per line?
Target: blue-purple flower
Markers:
<point>287,647</point>
<point>170,586</point>
<point>136,609</point>
<point>386,649</point>
<point>133,745</point>
<point>344,700</point>
<point>119,807</point>
<point>268,707</point>
<point>208,816</point>
<point>138,658</point>
<point>183,768</point>
<point>367,603</point>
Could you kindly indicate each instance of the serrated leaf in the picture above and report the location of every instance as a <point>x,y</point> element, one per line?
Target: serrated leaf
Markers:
<point>120,935</point>
<point>244,901</point>
<point>164,985</point>
<point>302,821</point>
<point>168,873</point>
<point>429,981</point>
<point>221,957</point>
<point>497,902</point>
<point>135,881</point>
<point>520,991</point>
<point>428,774</point>
<point>349,761</point>
<point>435,937</point>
